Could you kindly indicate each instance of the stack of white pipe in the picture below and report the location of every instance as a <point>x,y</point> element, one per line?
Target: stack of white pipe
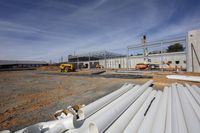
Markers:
<point>137,120</point>
<point>114,109</point>
<point>90,109</point>
<point>120,124</point>
<point>102,121</point>
<point>191,110</point>
<point>85,128</point>
<point>140,109</point>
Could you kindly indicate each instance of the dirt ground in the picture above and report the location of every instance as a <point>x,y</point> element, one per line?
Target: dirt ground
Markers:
<point>29,97</point>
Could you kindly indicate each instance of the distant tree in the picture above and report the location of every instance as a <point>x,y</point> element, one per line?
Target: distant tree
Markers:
<point>177,47</point>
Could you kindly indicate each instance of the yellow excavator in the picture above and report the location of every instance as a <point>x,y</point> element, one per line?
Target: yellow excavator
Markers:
<point>67,68</point>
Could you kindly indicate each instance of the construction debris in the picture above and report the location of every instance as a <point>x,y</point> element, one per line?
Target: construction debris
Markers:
<point>131,109</point>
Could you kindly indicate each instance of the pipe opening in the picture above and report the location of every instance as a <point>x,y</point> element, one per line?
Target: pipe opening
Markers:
<point>81,115</point>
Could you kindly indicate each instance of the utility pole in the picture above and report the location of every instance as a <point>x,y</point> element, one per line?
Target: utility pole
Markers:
<point>89,62</point>
<point>127,59</point>
<point>77,62</point>
<point>162,58</point>
<point>145,49</point>
<point>105,59</point>
<point>61,59</point>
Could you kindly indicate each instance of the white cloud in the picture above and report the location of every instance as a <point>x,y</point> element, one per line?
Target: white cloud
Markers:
<point>52,29</point>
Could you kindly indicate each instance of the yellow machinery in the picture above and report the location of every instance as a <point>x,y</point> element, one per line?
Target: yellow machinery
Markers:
<point>67,67</point>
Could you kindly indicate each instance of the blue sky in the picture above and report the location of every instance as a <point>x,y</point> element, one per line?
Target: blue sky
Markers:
<point>49,29</point>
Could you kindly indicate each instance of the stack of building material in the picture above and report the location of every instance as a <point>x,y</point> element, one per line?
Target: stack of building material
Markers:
<point>133,109</point>
<point>142,109</point>
<point>184,77</point>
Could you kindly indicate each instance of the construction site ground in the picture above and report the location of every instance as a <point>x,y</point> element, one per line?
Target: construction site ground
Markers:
<point>32,96</point>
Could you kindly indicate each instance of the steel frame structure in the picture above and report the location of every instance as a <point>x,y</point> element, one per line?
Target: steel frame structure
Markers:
<point>159,44</point>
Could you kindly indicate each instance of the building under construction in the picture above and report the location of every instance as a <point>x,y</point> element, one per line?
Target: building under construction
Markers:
<point>90,60</point>
<point>187,59</point>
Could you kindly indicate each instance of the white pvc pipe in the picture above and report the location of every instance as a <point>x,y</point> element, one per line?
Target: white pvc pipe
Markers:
<point>174,126</point>
<point>194,93</point>
<point>93,127</point>
<point>168,126</point>
<point>146,125</point>
<point>123,120</point>
<point>192,101</point>
<point>192,122</point>
<point>5,131</point>
<point>160,119</point>
<point>180,125</point>
<point>84,128</point>
<point>56,126</point>
<point>100,103</point>
<point>119,99</point>
<point>196,88</point>
<point>100,123</point>
<point>182,77</point>
<point>135,123</point>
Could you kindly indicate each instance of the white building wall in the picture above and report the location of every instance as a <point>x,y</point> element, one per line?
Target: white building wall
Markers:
<point>192,59</point>
<point>133,60</point>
